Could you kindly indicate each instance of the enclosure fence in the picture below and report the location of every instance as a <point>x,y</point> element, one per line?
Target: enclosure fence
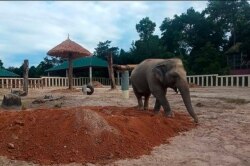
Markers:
<point>212,80</point>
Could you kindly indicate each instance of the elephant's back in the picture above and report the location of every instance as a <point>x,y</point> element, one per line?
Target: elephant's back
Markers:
<point>147,64</point>
<point>140,74</point>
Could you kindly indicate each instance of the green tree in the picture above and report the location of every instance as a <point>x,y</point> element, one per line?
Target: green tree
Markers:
<point>17,70</point>
<point>190,34</point>
<point>124,58</point>
<point>104,48</point>
<point>145,28</point>
<point>48,62</point>
<point>33,72</point>
<point>232,17</point>
<point>1,64</point>
<point>149,45</point>
<point>208,60</point>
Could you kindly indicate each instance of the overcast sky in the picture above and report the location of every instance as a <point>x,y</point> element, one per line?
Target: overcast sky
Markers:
<point>29,29</point>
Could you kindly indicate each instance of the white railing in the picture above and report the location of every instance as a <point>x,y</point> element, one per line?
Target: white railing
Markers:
<point>212,80</point>
<point>8,83</point>
<point>18,83</point>
<point>216,80</point>
<point>77,82</point>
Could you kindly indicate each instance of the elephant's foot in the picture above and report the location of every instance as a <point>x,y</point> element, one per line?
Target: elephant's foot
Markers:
<point>169,114</point>
<point>156,111</point>
<point>146,108</point>
<point>196,120</point>
<point>140,108</point>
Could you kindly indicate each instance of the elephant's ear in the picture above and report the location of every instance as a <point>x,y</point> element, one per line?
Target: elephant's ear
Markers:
<point>159,72</point>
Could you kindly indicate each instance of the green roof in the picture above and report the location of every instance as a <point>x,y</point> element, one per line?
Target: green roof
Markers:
<point>6,73</point>
<point>84,62</point>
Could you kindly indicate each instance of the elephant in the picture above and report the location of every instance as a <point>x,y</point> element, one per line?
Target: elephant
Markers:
<point>154,76</point>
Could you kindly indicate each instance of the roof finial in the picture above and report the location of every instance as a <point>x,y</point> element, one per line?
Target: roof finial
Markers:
<point>68,35</point>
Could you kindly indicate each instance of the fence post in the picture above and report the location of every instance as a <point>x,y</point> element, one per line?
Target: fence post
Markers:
<point>232,81</point>
<point>212,81</point>
<point>202,81</point>
<point>226,81</point>
<point>248,81</point>
<point>243,81</point>
<point>237,81</point>
<point>216,80</point>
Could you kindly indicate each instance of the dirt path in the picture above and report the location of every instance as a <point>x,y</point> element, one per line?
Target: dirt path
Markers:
<point>222,138</point>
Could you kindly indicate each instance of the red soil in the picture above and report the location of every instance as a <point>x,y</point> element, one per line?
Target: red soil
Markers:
<point>85,134</point>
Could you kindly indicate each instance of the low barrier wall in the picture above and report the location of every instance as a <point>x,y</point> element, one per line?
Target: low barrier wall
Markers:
<point>212,80</point>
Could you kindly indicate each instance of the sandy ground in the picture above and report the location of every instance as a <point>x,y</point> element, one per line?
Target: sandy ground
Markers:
<point>222,138</point>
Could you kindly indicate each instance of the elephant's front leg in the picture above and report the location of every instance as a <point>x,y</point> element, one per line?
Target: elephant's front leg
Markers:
<point>160,96</point>
<point>157,106</point>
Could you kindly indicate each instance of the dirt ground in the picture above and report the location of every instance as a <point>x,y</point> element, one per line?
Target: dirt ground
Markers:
<point>221,138</point>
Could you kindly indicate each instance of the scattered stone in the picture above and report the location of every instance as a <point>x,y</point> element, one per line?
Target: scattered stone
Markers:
<point>97,84</point>
<point>14,136</point>
<point>48,97</point>
<point>18,92</point>
<point>11,146</point>
<point>199,105</point>
<point>38,101</point>
<point>11,100</point>
<point>19,122</point>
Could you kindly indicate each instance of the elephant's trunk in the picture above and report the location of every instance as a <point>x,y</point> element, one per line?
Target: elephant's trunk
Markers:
<point>184,90</point>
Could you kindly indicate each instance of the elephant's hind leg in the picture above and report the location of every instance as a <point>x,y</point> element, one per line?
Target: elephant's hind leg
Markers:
<point>139,97</point>
<point>146,101</point>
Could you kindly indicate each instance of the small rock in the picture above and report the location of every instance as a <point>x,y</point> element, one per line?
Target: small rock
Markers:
<point>38,101</point>
<point>200,105</point>
<point>19,122</point>
<point>18,92</point>
<point>48,97</point>
<point>15,136</point>
<point>11,146</point>
<point>10,100</point>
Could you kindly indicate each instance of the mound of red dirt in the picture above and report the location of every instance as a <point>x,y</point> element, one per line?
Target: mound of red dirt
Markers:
<point>97,84</point>
<point>85,134</point>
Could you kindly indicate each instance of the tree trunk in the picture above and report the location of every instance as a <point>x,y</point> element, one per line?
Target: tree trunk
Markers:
<point>111,71</point>
<point>26,76</point>
<point>70,72</point>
